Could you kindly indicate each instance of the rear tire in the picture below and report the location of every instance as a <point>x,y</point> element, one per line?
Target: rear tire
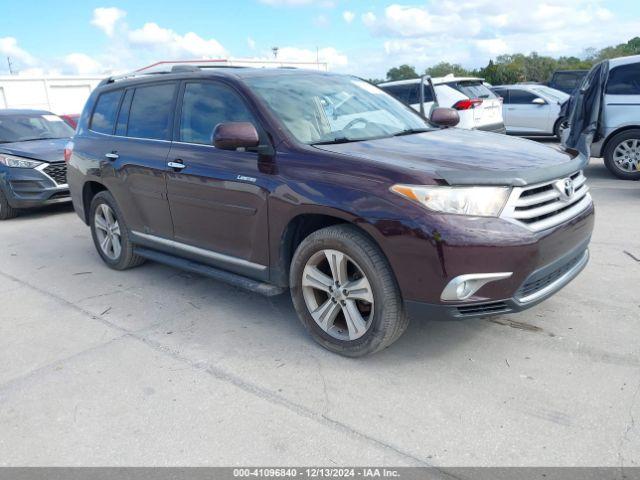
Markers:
<point>356,322</point>
<point>6,211</point>
<point>111,234</point>
<point>622,155</point>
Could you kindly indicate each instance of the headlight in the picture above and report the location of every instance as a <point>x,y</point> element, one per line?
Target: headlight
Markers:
<point>476,201</point>
<point>18,162</point>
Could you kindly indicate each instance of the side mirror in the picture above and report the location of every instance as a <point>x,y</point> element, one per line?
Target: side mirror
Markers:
<point>538,101</point>
<point>234,135</point>
<point>445,117</point>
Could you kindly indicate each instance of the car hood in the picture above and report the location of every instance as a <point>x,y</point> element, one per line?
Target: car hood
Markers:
<point>467,157</point>
<point>43,150</point>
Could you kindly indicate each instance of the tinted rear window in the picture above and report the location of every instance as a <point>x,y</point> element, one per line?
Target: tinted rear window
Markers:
<point>567,80</point>
<point>104,115</point>
<point>150,113</point>
<point>624,80</point>
<point>472,89</point>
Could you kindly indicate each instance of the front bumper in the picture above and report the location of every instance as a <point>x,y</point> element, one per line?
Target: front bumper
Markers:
<point>538,286</point>
<point>33,187</point>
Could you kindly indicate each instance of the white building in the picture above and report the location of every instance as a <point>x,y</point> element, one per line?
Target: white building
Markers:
<point>57,94</point>
<point>68,94</point>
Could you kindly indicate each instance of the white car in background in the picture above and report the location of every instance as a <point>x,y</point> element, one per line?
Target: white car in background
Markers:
<point>531,110</point>
<point>479,108</point>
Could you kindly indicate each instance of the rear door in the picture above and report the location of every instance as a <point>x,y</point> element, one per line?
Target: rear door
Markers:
<point>138,157</point>
<point>622,97</point>
<point>524,116</point>
<point>218,199</point>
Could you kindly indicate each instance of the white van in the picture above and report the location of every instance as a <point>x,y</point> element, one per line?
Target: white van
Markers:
<point>479,108</point>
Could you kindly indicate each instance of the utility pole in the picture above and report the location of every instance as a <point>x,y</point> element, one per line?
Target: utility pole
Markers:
<point>10,65</point>
<point>275,51</point>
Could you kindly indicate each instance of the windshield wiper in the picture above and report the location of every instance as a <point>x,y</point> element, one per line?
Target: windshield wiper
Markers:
<point>411,131</point>
<point>338,140</point>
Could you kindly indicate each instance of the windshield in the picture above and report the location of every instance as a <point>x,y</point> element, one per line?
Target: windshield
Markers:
<point>23,127</point>
<point>318,108</point>
<point>554,94</point>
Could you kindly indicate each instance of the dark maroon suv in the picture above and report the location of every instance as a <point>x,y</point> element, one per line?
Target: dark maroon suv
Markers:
<point>325,185</point>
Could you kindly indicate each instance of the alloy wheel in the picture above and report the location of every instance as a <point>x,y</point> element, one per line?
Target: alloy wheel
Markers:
<point>338,294</point>
<point>627,155</point>
<point>108,231</point>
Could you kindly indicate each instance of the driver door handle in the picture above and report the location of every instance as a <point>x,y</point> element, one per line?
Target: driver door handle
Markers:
<point>178,165</point>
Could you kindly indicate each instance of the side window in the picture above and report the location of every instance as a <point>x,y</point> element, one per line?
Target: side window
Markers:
<point>520,97</point>
<point>414,94</point>
<point>150,111</point>
<point>207,104</point>
<point>504,94</point>
<point>624,80</point>
<point>104,115</point>
<point>123,116</point>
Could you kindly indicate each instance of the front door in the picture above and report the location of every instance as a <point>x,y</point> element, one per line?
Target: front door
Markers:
<point>524,116</point>
<point>218,198</point>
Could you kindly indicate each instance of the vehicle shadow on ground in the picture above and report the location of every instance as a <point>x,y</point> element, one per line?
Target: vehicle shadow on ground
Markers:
<point>46,211</point>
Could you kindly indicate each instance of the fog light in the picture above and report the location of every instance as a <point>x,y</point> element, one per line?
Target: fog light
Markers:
<point>463,290</point>
<point>464,286</point>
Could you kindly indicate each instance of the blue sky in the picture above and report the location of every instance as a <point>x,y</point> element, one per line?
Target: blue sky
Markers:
<point>365,37</point>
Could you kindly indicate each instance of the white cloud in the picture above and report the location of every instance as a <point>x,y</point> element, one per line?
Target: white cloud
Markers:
<point>83,64</point>
<point>471,32</point>
<point>9,48</point>
<point>164,40</point>
<point>328,54</point>
<point>348,16</point>
<point>369,19</point>
<point>251,43</point>
<point>105,18</point>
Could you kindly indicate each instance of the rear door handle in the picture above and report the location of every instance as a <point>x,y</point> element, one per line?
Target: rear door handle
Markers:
<point>176,165</point>
<point>112,156</point>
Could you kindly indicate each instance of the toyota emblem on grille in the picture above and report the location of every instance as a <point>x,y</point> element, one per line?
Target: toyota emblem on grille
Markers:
<point>566,188</point>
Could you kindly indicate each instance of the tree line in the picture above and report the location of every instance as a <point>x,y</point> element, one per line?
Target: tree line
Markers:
<point>518,67</point>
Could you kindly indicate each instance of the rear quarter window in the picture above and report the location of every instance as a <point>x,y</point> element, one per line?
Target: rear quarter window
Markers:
<point>104,114</point>
<point>624,80</point>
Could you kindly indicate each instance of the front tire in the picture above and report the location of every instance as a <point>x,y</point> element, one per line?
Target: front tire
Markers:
<point>345,293</point>
<point>110,233</point>
<point>622,155</point>
<point>6,211</point>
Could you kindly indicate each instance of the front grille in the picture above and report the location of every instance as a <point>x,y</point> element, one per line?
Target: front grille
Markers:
<point>546,205</point>
<point>537,283</point>
<point>492,308</point>
<point>57,171</point>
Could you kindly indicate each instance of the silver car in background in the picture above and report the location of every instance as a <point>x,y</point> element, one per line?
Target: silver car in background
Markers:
<point>618,139</point>
<point>531,110</point>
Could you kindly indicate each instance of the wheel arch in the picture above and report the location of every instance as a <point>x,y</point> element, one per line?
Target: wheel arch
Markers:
<point>303,224</point>
<point>610,137</point>
<point>89,190</point>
